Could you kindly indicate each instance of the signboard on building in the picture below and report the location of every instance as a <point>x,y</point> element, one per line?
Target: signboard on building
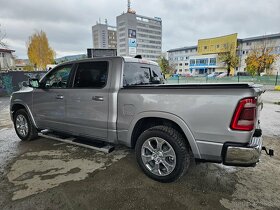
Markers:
<point>132,33</point>
<point>132,51</point>
<point>132,42</point>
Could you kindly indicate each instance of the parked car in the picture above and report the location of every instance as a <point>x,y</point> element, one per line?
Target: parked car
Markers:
<point>224,74</point>
<point>213,74</point>
<point>121,100</point>
<point>188,74</point>
<point>242,73</point>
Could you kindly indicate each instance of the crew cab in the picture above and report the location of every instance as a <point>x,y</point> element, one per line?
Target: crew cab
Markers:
<point>123,100</point>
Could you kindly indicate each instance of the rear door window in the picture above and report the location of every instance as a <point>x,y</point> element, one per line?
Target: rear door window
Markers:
<point>141,74</point>
<point>91,75</point>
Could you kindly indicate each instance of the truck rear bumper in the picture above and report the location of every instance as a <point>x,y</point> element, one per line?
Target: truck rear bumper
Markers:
<point>242,155</point>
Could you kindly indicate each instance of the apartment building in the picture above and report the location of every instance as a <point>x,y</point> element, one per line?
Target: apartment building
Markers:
<point>203,58</point>
<point>104,36</point>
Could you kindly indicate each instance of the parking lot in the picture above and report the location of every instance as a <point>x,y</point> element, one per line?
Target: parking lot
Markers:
<point>46,174</point>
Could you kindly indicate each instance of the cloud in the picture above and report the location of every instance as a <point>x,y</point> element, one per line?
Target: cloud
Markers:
<point>68,22</point>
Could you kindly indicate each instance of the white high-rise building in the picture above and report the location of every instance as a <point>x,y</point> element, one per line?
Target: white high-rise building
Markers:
<point>104,36</point>
<point>139,35</point>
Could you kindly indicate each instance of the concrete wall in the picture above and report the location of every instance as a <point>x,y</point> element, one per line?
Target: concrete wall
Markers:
<point>12,81</point>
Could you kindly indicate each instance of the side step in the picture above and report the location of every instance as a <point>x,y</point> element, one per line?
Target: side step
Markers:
<point>90,145</point>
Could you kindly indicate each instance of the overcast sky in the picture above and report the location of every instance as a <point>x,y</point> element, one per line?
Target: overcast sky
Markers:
<point>68,22</point>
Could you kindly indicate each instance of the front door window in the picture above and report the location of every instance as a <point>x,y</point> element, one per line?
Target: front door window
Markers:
<point>57,78</point>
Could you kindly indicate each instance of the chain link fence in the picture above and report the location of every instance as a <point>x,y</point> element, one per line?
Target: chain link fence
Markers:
<point>272,80</point>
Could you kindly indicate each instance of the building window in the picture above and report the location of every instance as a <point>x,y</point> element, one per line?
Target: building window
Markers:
<point>187,58</point>
<point>186,64</point>
<point>218,45</point>
<point>180,64</point>
<point>205,47</point>
<point>192,61</point>
<point>202,62</point>
<point>212,61</point>
<point>243,52</point>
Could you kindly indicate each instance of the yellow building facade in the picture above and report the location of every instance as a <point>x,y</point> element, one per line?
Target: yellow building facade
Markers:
<point>217,45</point>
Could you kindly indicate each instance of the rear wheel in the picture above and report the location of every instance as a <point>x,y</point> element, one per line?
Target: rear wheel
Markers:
<point>162,153</point>
<point>24,127</point>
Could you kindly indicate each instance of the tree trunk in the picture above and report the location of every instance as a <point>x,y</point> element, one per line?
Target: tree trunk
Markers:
<point>228,71</point>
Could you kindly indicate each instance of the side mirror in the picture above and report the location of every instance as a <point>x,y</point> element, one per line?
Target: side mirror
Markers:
<point>34,83</point>
<point>25,84</point>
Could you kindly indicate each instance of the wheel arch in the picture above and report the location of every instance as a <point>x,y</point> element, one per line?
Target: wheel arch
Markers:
<point>19,105</point>
<point>145,120</point>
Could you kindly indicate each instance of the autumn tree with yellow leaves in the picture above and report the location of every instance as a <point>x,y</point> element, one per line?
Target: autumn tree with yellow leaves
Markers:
<point>39,52</point>
<point>260,58</point>
<point>165,66</point>
<point>229,59</point>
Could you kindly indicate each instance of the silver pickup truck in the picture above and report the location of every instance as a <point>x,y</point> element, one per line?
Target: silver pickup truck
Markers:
<point>121,100</point>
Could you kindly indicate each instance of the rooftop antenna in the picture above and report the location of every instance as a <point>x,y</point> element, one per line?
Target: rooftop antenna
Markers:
<point>129,10</point>
<point>128,5</point>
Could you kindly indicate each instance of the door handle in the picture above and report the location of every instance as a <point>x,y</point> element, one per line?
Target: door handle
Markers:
<point>59,97</point>
<point>98,98</point>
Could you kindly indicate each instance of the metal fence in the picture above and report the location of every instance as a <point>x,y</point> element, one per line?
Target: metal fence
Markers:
<point>272,80</point>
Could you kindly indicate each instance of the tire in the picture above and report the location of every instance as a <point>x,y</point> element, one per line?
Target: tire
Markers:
<point>162,153</point>
<point>24,128</point>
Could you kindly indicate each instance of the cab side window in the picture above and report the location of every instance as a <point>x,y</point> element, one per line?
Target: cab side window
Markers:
<point>141,74</point>
<point>91,75</point>
<point>58,78</point>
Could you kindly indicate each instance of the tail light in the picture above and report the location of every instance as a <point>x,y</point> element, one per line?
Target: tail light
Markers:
<point>245,115</point>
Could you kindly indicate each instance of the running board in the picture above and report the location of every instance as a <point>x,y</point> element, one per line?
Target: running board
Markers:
<point>74,141</point>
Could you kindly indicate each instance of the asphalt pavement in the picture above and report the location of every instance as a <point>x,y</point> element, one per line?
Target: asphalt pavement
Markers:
<point>45,174</point>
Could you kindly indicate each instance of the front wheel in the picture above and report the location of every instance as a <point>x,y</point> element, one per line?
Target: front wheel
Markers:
<point>24,127</point>
<point>162,153</point>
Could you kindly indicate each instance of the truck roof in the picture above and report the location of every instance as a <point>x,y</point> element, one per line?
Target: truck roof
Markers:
<point>137,60</point>
<point>125,58</point>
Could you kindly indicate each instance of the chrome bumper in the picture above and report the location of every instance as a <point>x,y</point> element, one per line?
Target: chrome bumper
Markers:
<point>239,155</point>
